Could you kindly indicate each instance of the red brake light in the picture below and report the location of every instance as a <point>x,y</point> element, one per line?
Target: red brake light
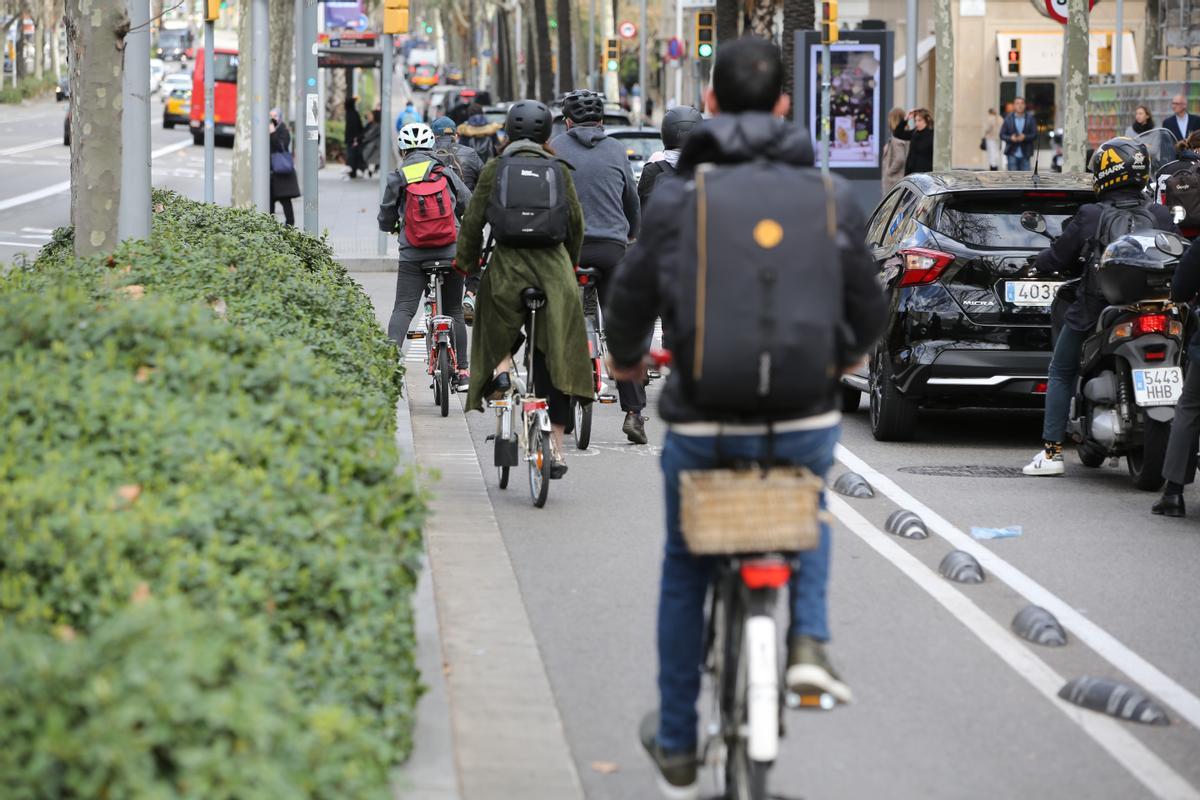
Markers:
<point>923,266</point>
<point>1150,323</point>
<point>765,574</point>
<point>1040,387</point>
<point>1156,355</point>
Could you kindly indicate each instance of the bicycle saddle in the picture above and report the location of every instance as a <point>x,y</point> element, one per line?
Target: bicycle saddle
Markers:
<point>437,266</point>
<point>533,298</point>
<point>588,271</point>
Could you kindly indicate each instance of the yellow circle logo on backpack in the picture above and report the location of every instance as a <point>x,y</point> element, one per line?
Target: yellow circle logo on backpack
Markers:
<point>768,234</point>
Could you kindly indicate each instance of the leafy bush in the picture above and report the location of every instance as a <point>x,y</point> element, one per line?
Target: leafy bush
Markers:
<point>26,88</point>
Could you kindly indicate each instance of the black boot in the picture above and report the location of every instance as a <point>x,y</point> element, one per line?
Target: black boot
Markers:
<point>1170,505</point>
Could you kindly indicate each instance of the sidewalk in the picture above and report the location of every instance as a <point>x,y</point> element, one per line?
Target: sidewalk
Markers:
<point>347,210</point>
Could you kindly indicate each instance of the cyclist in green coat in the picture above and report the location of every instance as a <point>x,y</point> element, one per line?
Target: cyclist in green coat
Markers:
<point>499,313</point>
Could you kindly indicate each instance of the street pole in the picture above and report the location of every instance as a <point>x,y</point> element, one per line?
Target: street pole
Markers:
<point>260,137</point>
<point>133,219</point>
<point>385,128</point>
<point>1076,87</point>
<point>210,151</point>
<point>306,70</point>
<point>1119,44</point>
<point>297,117</point>
<point>642,66</point>
<point>682,51</point>
<point>910,57</point>
<point>592,48</point>
<point>826,91</point>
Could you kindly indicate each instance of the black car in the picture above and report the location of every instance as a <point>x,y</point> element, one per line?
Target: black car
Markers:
<point>964,328</point>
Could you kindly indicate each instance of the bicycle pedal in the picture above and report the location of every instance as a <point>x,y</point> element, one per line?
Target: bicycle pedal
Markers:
<point>415,335</point>
<point>653,374</point>
<point>606,399</point>
<point>811,701</point>
<point>491,437</point>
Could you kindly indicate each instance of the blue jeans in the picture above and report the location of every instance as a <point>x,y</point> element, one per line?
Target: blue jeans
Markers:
<point>1064,370</point>
<point>685,578</point>
<point>1018,163</point>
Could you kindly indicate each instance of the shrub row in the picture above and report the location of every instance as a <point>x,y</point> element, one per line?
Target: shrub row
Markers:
<point>25,89</point>
<point>209,414</point>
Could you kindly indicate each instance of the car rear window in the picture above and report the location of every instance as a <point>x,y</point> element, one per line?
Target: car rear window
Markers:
<point>640,148</point>
<point>995,220</point>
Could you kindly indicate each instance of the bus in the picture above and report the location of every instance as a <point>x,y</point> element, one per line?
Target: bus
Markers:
<point>174,44</point>
<point>225,70</point>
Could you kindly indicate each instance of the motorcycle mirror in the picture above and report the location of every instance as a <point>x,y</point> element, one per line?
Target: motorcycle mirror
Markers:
<point>1033,221</point>
<point>1171,245</point>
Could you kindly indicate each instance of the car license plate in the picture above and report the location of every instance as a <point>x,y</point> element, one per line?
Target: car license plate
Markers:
<point>1157,387</point>
<point>1031,293</point>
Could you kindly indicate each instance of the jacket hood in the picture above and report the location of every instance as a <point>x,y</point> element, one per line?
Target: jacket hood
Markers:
<point>588,135</point>
<point>732,138</point>
<point>485,129</point>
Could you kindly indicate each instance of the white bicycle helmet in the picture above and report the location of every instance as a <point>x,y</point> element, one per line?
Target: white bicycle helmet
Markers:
<point>416,136</point>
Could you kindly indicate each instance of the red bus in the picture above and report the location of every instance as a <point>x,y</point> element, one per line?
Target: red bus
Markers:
<point>225,69</point>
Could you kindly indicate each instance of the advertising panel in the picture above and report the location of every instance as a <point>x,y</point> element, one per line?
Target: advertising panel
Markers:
<point>856,138</point>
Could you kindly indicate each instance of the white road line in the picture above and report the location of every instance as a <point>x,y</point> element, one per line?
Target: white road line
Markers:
<point>65,186</point>
<point>34,245</point>
<point>38,230</point>
<point>1141,671</point>
<point>1127,750</point>
<point>25,148</point>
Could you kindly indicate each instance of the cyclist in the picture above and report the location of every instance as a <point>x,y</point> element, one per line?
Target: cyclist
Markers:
<point>561,368</point>
<point>459,157</point>
<point>1120,169</point>
<point>756,151</point>
<point>611,211</point>
<point>677,125</point>
<point>418,165</point>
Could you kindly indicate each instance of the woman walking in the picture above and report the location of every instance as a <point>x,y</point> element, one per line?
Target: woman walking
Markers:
<point>354,138</point>
<point>917,130</point>
<point>894,152</point>
<point>991,139</point>
<point>284,184</point>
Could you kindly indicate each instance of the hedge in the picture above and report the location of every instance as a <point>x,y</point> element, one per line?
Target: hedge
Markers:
<point>26,88</point>
<point>210,414</point>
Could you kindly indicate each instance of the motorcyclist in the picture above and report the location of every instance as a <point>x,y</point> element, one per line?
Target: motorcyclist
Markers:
<point>611,210</point>
<point>418,164</point>
<point>561,367</point>
<point>677,124</point>
<point>1120,170</point>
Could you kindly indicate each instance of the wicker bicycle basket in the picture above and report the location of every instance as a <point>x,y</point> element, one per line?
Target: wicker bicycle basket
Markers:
<point>723,512</point>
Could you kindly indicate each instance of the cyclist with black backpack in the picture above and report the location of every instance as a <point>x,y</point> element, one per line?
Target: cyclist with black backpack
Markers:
<point>421,204</point>
<point>459,157</point>
<point>760,266</point>
<point>528,198</point>
<point>1120,170</point>
<point>677,125</point>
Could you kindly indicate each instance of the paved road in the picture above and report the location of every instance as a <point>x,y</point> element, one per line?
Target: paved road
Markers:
<point>950,703</point>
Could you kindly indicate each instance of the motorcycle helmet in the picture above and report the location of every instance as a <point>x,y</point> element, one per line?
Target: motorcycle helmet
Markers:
<point>416,136</point>
<point>528,119</point>
<point>583,106</point>
<point>677,125</point>
<point>1120,163</point>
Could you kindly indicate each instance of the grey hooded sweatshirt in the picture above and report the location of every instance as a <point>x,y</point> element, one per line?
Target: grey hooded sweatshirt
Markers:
<point>604,181</point>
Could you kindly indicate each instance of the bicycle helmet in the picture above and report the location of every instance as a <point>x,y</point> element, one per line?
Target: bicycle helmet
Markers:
<point>528,119</point>
<point>677,125</point>
<point>1120,163</point>
<point>416,136</point>
<point>583,107</point>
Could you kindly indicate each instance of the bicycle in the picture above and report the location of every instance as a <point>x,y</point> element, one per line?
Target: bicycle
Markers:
<point>523,418</point>
<point>441,359</point>
<point>594,320</point>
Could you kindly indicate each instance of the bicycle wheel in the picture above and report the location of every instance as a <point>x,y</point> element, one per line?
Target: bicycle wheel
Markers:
<point>583,424</point>
<point>442,378</point>
<point>745,778</point>
<point>539,467</point>
<point>502,474</point>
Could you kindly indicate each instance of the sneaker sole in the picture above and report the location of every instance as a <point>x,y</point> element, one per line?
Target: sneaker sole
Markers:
<point>1044,473</point>
<point>805,678</point>
<point>670,792</point>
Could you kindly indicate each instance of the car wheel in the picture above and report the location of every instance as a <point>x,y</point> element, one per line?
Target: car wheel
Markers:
<point>168,124</point>
<point>851,399</point>
<point>893,416</point>
<point>198,138</point>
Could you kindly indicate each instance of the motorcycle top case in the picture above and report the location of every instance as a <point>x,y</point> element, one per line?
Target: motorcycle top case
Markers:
<point>759,295</point>
<point>1133,270</point>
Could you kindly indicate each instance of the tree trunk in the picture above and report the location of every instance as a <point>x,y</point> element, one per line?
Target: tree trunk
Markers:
<point>1152,43</point>
<point>798,15</point>
<point>943,120</point>
<point>39,42</point>
<point>19,65</point>
<point>55,56</point>
<point>728,14</point>
<point>1075,93</point>
<point>531,52</point>
<point>242,190</point>
<point>283,53</point>
<point>545,69</point>
<point>566,47</point>
<point>96,34</point>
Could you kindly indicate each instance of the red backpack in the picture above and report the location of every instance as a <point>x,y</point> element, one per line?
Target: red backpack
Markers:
<point>429,211</point>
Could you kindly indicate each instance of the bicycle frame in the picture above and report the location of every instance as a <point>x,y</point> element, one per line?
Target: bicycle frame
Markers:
<point>438,327</point>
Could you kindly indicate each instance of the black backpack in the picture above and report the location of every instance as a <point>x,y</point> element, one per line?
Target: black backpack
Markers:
<point>484,146</point>
<point>449,157</point>
<point>759,310</point>
<point>1183,190</point>
<point>528,206</point>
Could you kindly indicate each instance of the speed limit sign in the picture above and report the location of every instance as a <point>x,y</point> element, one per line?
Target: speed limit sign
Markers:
<point>1057,10</point>
<point>627,30</point>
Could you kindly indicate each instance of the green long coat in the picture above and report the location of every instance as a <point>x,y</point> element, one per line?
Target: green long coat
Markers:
<point>499,313</point>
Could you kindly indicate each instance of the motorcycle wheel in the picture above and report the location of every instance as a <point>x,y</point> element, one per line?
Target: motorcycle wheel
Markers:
<point>1091,455</point>
<point>1146,463</point>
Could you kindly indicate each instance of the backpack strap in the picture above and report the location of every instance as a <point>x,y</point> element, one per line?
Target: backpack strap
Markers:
<point>830,208</point>
<point>701,268</point>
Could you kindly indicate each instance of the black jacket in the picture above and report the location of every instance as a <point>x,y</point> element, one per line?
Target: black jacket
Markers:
<point>650,175</point>
<point>284,185</point>
<point>644,282</point>
<point>1079,235</point>
<point>1171,123</point>
<point>920,148</point>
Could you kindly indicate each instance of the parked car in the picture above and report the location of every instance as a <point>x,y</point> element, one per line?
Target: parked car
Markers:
<point>63,90</point>
<point>176,80</point>
<point>640,145</point>
<point>964,329</point>
<point>178,108</point>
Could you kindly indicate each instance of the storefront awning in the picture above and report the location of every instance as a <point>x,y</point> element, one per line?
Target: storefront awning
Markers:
<point>1041,54</point>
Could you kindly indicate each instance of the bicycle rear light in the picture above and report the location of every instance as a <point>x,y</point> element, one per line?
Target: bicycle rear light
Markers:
<point>765,574</point>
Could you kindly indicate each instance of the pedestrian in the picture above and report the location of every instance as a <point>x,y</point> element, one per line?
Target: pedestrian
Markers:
<point>1142,122</point>
<point>1180,181</point>
<point>480,134</point>
<point>1181,123</point>
<point>372,138</point>
<point>895,152</point>
<point>409,116</point>
<point>284,184</point>
<point>1179,466</point>
<point>773,222</point>
<point>917,129</point>
<point>991,139</point>
<point>1019,134</point>
<point>649,110</point>
<point>354,138</point>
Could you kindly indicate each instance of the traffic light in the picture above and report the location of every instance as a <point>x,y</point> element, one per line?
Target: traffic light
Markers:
<point>395,16</point>
<point>612,55</point>
<point>829,22</point>
<point>1014,57</point>
<point>705,34</point>
<point>212,10</point>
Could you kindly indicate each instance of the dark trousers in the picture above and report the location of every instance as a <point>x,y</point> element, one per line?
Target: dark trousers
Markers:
<point>410,288</point>
<point>1180,464</point>
<point>604,257</point>
<point>559,404</point>
<point>289,215</point>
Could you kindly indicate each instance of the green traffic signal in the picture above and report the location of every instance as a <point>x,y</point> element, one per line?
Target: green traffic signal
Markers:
<point>612,65</point>
<point>429,29</point>
<point>553,22</point>
<point>705,50</point>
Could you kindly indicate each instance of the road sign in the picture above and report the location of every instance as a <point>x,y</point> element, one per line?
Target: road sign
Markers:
<point>1057,9</point>
<point>627,30</point>
<point>675,48</point>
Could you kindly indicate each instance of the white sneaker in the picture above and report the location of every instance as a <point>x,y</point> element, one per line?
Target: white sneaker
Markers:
<point>1045,466</point>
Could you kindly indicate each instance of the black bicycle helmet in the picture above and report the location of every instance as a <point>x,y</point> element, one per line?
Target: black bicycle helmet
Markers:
<point>528,119</point>
<point>583,106</point>
<point>1120,163</point>
<point>678,124</point>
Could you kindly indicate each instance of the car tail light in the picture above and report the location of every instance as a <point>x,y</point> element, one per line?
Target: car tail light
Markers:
<point>1150,323</point>
<point>1040,387</point>
<point>923,266</point>
<point>765,574</point>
